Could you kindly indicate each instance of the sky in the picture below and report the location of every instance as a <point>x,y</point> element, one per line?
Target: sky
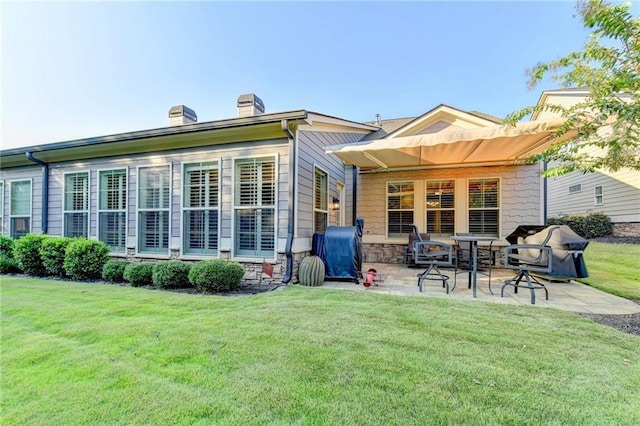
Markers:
<point>72,70</point>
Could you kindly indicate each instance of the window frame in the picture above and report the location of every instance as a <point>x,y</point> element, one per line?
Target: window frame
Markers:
<point>498,207</point>
<point>12,216</point>
<point>237,208</point>
<point>319,171</point>
<point>577,188</point>
<point>596,195</point>
<point>2,221</point>
<point>203,165</point>
<point>124,210</point>
<point>439,209</point>
<point>167,210</point>
<point>388,210</point>
<point>85,211</point>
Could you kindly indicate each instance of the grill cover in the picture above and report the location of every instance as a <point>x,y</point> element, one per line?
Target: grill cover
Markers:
<point>341,251</point>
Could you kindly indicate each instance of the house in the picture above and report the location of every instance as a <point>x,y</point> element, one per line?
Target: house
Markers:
<point>616,194</point>
<point>256,187</point>
<point>250,188</point>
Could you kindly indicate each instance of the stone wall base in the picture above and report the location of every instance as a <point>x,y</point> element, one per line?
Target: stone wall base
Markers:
<point>626,229</point>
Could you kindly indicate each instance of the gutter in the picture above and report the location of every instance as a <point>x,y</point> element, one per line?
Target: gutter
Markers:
<point>291,202</point>
<point>45,191</point>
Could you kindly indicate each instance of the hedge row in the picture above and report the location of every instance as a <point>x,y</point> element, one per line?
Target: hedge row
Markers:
<point>593,225</point>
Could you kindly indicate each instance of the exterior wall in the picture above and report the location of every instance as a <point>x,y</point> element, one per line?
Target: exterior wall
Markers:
<point>34,173</point>
<point>520,203</point>
<point>311,154</point>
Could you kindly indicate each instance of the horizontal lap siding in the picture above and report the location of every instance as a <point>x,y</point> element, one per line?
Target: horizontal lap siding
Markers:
<point>311,153</point>
<point>34,173</point>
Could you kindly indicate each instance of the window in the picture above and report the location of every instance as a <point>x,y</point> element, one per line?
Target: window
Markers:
<point>20,208</point>
<point>575,188</point>
<point>76,204</point>
<point>399,208</point>
<point>200,205</point>
<point>254,206</point>
<point>320,202</point>
<point>440,206</point>
<point>112,209</point>
<point>598,195</point>
<point>484,207</point>
<point>154,192</point>
<point>1,208</point>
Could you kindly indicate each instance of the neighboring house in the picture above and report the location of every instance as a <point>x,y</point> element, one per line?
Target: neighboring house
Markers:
<point>258,186</point>
<point>251,188</point>
<point>616,194</point>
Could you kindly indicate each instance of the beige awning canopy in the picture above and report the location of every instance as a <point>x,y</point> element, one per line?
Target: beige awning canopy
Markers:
<point>480,146</point>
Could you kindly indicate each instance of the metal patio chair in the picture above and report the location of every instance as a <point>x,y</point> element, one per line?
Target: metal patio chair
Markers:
<point>433,255</point>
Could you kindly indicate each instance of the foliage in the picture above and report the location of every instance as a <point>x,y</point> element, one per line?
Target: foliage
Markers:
<point>113,271</point>
<point>216,275</point>
<point>593,225</point>
<point>84,259</point>
<point>115,355</point>
<point>27,253</point>
<point>171,274</point>
<point>8,265</point>
<point>52,253</point>
<point>609,66</point>
<point>139,274</point>
<point>6,246</point>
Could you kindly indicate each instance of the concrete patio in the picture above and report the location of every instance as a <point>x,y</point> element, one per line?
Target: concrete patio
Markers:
<point>568,296</point>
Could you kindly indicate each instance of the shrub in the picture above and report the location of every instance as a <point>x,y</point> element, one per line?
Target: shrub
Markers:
<point>8,265</point>
<point>84,259</point>
<point>27,253</point>
<point>171,274</point>
<point>216,275</point>
<point>52,253</point>
<point>113,271</point>
<point>139,274</point>
<point>6,246</point>
<point>593,225</point>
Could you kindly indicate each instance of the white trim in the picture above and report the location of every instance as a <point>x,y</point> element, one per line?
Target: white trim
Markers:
<point>125,210</point>
<point>440,209</point>
<point>595,195</point>
<point>64,197</point>
<point>30,180</point>
<point>138,210</point>
<point>468,208</point>
<point>313,196</point>
<point>217,162</point>
<point>2,217</point>
<point>340,189</point>
<point>234,162</point>
<point>577,191</point>
<point>386,204</point>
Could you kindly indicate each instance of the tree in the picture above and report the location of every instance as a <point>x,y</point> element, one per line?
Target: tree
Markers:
<point>608,121</point>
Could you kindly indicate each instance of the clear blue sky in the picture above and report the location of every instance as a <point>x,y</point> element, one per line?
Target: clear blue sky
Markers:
<point>73,70</point>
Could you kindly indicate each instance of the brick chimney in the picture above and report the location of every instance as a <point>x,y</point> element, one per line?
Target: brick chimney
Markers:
<point>249,105</point>
<point>180,115</point>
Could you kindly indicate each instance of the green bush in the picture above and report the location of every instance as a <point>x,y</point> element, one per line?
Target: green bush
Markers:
<point>27,252</point>
<point>216,275</point>
<point>52,253</point>
<point>593,225</point>
<point>139,274</point>
<point>84,259</point>
<point>8,265</point>
<point>6,246</point>
<point>113,271</point>
<point>171,274</point>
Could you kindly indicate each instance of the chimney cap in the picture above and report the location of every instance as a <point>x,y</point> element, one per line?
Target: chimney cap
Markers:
<point>250,99</point>
<point>182,111</point>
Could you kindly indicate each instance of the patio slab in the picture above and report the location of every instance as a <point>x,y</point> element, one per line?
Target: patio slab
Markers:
<point>567,296</point>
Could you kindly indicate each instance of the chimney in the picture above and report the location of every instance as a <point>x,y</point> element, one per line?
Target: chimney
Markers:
<point>180,115</point>
<point>249,105</point>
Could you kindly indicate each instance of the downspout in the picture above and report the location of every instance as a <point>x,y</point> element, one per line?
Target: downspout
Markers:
<point>291,203</point>
<point>354,171</point>
<point>544,194</point>
<point>45,191</point>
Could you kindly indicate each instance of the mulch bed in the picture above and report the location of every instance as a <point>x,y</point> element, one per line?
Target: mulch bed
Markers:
<point>626,323</point>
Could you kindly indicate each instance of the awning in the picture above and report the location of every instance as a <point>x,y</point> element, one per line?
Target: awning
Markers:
<point>486,145</point>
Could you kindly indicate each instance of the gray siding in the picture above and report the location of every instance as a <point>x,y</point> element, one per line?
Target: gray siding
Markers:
<point>311,153</point>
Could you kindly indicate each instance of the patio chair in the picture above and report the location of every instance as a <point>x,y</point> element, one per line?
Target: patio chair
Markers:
<point>414,236</point>
<point>485,259</point>
<point>526,259</point>
<point>434,254</point>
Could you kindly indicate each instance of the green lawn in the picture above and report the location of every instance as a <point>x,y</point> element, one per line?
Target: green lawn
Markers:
<point>75,353</point>
<point>614,268</point>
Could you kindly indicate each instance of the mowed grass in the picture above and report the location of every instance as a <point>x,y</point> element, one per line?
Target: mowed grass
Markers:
<point>614,268</point>
<point>75,353</point>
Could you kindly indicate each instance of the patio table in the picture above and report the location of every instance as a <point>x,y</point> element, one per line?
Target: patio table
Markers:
<point>473,239</point>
